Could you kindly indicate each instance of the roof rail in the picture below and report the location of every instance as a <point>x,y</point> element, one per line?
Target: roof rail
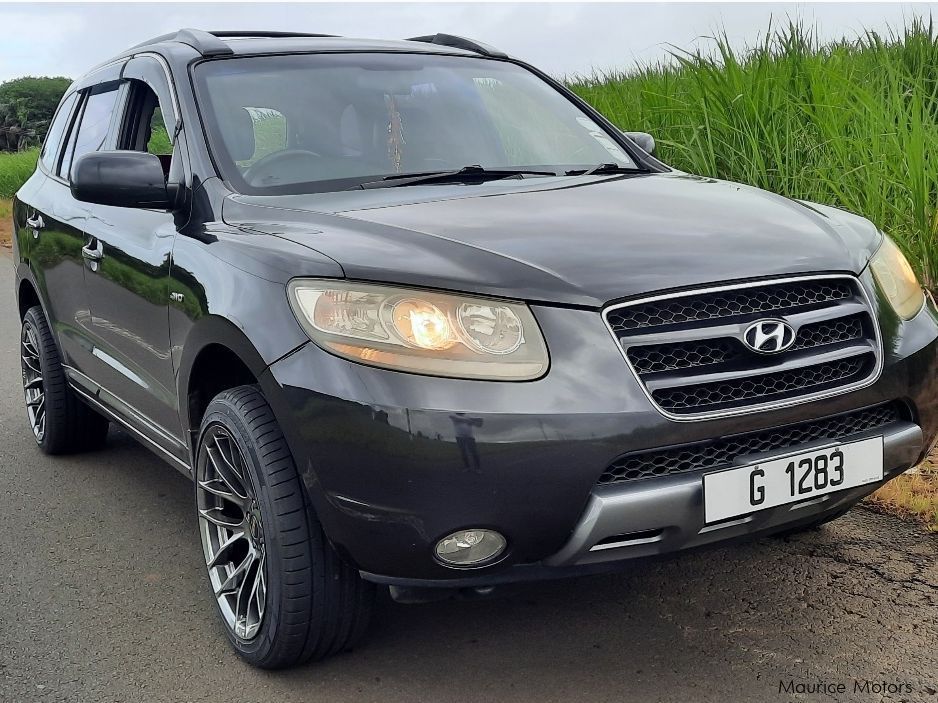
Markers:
<point>211,44</point>
<point>461,43</point>
<point>265,34</point>
<point>205,43</point>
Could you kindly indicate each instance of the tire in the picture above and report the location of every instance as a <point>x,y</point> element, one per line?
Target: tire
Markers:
<point>304,602</point>
<point>66,424</point>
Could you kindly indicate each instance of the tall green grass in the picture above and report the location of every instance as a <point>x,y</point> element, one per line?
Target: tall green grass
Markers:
<point>852,123</point>
<point>15,168</point>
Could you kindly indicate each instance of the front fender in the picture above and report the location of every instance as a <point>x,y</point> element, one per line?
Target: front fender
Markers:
<point>227,288</point>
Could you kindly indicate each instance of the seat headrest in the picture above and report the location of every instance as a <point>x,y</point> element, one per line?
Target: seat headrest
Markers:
<point>238,132</point>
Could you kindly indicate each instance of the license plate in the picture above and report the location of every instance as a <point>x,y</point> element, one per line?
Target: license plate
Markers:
<point>791,479</point>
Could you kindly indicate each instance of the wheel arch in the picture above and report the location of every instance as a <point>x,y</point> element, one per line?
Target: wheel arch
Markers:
<point>27,296</point>
<point>216,356</point>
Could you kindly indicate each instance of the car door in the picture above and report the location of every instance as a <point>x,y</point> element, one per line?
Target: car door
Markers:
<point>127,264</point>
<point>55,238</point>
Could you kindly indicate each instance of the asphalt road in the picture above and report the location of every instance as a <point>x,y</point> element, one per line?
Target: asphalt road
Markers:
<point>103,598</point>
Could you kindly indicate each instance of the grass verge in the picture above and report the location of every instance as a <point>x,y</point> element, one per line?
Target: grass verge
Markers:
<point>15,169</point>
<point>912,495</point>
<point>6,223</point>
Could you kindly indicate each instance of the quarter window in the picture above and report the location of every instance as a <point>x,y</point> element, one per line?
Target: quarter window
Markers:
<point>50,148</point>
<point>158,141</point>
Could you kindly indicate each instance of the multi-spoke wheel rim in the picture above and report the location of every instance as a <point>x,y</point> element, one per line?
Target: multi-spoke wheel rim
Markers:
<point>232,533</point>
<point>33,385</point>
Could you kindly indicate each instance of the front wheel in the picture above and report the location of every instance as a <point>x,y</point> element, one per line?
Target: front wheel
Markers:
<point>283,593</point>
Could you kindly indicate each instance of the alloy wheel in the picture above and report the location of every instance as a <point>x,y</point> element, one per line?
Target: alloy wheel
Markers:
<point>232,533</point>
<point>33,385</point>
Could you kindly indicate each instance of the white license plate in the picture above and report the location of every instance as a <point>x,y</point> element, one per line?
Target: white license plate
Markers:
<point>791,479</point>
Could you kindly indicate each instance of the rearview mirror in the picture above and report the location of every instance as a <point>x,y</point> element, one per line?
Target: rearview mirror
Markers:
<point>120,178</point>
<point>645,141</point>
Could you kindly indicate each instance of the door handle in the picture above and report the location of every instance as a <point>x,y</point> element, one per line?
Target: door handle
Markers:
<point>35,223</point>
<point>93,251</point>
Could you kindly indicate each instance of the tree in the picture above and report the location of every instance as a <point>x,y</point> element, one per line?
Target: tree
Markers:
<point>13,136</point>
<point>27,106</point>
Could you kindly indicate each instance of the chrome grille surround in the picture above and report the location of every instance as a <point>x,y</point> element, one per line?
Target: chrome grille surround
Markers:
<point>691,323</point>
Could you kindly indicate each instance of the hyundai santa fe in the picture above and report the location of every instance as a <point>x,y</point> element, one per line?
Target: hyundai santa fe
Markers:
<point>411,314</point>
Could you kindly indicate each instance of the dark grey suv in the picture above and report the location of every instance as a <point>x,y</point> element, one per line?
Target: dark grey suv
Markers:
<point>410,313</point>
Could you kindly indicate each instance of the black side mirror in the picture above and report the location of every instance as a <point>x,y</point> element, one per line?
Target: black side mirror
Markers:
<point>121,178</point>
<point>645,141</point>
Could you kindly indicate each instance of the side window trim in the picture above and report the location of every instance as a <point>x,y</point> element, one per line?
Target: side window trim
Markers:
<point>151,70</point>
<point>72,134</point>
<point>123,110</point>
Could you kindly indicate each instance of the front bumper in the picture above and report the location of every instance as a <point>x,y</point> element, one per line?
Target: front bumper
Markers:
<point>389,468</point>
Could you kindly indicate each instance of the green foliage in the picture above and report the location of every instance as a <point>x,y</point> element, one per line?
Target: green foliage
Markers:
<point>27,106</point>
<point>15,169</point>
<point>159,141</point>
<point>851,123</point>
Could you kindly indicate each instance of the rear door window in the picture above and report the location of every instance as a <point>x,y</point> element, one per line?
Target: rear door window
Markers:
<point>50,147</point>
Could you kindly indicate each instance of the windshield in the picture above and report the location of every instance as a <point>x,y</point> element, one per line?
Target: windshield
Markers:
<point>321,122</point>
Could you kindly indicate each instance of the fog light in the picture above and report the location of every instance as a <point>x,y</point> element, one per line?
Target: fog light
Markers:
<point>470,547</point>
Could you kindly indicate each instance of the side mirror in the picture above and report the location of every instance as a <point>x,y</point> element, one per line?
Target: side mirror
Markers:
<point>645,141</point>
<point>121,178</point>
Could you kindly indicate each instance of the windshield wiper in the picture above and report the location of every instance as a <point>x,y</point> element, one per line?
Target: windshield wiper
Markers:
<point>466,174</point>
<point>602,169</point>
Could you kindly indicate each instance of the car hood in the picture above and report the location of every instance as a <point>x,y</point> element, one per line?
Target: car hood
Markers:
<point>582,241</point>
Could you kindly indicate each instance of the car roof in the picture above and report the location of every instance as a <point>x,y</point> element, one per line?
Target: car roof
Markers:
<point>235,43</point>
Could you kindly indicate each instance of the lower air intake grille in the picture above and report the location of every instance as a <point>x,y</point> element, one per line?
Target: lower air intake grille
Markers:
<point>721,453</point>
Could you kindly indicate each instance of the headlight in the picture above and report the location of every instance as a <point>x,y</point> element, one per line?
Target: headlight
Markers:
<point>440,334</point>
<point>896,279</point>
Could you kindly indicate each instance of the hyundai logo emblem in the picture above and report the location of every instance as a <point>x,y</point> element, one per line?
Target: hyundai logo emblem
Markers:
<point>769,336</point>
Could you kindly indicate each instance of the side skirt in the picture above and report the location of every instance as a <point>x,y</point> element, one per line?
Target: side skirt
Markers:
<point>77,382</point>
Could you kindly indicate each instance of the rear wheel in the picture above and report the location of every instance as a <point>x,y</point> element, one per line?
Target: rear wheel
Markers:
<point>283,593</point>
<point>61,423</point>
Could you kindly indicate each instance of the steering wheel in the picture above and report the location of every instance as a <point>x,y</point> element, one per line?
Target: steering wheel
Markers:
<point>272,166</point>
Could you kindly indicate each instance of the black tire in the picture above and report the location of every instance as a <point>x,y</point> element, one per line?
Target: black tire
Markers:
<point>316,604</point>
<point>70,425</point>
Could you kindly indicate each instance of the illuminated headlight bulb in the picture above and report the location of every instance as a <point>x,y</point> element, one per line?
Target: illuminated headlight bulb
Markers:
<point>422,324</point>
<point>470,547</point>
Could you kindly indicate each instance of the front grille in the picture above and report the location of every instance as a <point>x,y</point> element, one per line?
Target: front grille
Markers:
<point>727,303</point>
<point>764,386</point>
<point>842,330</point>
<point>687,349</point>
<point>681,355</point>
<point>725,451</point>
